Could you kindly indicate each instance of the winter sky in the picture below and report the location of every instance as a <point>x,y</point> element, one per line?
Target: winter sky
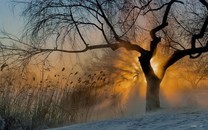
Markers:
<point>10,19</point>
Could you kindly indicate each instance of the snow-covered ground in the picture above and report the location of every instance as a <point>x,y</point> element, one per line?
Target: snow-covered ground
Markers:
<point>174,119</point>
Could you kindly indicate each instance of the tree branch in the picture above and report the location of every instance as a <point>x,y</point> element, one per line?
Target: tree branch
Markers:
<point>130,47</point>
<point>107,21</point>
<point>180,54</point>
<point>193,50</point>
<point>200,35</point>
<point>204,3</point>
<point>155,39</point>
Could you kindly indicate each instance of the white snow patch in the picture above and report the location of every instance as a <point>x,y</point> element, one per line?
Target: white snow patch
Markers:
<point>190,119</point>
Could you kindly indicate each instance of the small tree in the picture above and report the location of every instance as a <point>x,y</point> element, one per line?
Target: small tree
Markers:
<point>195,72</point>
<point>74,25</point>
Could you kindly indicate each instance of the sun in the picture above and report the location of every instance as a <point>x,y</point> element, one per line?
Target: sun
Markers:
<point>155,65</point>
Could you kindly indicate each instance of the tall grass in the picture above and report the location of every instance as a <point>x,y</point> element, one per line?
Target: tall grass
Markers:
<point>30,102</point>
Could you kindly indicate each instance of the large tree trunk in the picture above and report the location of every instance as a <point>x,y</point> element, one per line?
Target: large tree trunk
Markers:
<point>152,92</point>
<point>153,84</point>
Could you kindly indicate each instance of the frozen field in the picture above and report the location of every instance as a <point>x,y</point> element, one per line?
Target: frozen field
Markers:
<point>175,119</point>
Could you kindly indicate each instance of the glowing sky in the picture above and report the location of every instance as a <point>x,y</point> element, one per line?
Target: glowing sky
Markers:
<point>10,19</point>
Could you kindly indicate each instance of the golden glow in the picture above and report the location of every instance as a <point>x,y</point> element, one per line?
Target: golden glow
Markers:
<point>126,74</point>
<point>155,65</point>
<point>174,88</point>
<point>125,78</point>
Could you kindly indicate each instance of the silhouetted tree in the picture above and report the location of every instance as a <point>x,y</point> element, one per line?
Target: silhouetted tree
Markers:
<point>175,24</point>
<point>195,72</point>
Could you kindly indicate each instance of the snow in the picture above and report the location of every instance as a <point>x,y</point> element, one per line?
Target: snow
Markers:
<point>190,119</point>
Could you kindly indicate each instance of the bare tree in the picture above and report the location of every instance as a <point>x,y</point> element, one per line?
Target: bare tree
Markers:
<point>195,72</point>
<point>73,23</point>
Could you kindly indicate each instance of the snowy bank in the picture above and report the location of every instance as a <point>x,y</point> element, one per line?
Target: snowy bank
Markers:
<point>161,120</point>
